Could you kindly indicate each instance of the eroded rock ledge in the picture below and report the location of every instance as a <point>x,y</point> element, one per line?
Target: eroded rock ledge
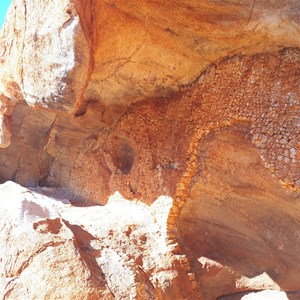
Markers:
<point>147,149</point>
<point>191,108</point>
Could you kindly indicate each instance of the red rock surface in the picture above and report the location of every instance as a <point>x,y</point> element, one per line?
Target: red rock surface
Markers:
<point>188,109</point>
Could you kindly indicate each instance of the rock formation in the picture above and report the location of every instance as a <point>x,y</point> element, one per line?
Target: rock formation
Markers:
<point>158,146</point>
<point>52,249</point>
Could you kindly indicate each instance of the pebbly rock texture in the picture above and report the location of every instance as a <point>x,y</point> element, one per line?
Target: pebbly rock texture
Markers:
<point>188,109</point>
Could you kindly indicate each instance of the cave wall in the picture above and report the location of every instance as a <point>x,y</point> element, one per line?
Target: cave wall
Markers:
<point>196,100</point>
<point>144,151</point>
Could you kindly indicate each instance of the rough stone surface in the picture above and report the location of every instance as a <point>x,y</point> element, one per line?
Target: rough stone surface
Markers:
<point>51,249</point>
<point>263,295</point>
<point>40,257</point>
<point>107,150</point>
<point>153,47</point>
<point>42,65</point>
<point>119,52</point>
<point>239,226</point>
<point>191,107</point>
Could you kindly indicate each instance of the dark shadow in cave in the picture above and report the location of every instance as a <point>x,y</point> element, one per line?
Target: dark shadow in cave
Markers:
<point>22,161</point>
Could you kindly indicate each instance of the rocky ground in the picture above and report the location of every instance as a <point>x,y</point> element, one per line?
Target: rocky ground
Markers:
<point>54,248</point>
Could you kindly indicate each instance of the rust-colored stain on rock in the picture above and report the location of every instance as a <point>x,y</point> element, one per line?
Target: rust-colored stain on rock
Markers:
<point>158,143</point>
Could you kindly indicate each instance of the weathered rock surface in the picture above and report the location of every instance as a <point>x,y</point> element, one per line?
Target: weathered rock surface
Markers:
<point>105,151</point>
<point>118,52</point>
<point>153,47</point>
<point>51,249</point>
<point>40,257</point>
<point>39,58</point>
<point>263,295</point>
<point>239,226</point>
<point>191,107</point>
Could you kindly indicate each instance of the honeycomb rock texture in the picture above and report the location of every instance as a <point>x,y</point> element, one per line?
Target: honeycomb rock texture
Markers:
<point>145,150</point>
<point>158,146</point>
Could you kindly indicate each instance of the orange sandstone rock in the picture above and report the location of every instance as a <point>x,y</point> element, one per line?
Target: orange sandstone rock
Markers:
<point>192,107</point>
